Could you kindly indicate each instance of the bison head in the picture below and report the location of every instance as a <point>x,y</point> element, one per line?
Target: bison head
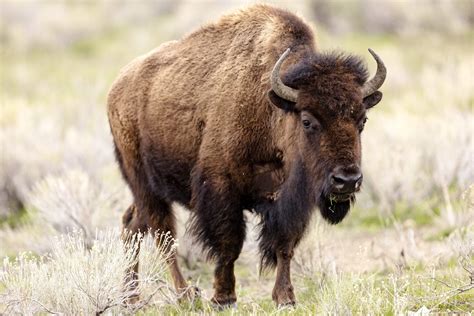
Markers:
<point>326,97</point>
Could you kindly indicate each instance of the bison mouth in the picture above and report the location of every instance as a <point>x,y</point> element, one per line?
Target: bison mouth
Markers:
<point>337,198</point>
<point>334,207</point>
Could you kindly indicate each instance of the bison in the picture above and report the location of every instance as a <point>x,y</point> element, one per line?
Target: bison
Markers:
<point>242,114</point>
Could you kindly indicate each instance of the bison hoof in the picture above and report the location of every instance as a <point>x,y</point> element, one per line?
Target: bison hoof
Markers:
<point>189,294</point>
<point>284,297</point>
<point>221,302</point>
<point>289,304</point>
<point>131,300</point>
<point>221,307</point>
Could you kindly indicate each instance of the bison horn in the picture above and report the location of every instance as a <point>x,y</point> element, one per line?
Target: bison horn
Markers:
<point>278,86</point>
<point>376,82</point>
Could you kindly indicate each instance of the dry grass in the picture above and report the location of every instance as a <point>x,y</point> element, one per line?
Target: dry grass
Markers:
<point>81,278</point>
<point>74,201</point>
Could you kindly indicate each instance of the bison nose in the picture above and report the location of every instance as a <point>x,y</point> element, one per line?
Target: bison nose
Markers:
<point>346,182</point>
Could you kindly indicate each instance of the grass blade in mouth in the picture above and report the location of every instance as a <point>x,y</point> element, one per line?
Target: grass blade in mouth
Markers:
<point>335,198</point>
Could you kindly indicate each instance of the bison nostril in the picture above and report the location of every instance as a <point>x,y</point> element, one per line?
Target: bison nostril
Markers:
<point>338,179</point>
<point>346,182</point>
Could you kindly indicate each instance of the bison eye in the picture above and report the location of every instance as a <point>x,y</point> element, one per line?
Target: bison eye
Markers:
<point>310,123</point>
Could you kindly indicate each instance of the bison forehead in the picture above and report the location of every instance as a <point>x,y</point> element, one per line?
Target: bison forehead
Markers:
<point>332,81</point>
<point>329,66</point>
<point>340,101</point>
<point>333,101</point>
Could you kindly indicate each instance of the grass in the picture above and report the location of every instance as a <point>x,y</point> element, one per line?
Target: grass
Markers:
<point>351,293</point>
<point>15,219</point>
<point>420,214</point>
<point>82,275</point>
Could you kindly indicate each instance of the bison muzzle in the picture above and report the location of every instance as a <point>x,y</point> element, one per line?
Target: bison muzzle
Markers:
<point>242,114</point>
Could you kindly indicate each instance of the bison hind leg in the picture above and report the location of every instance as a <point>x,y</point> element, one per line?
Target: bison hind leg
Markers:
<point>156,219</point>
<point>131,226</point>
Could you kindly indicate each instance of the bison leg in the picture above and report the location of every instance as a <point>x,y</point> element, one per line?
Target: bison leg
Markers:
<point>283,290</point>
<point>278,239</point>
<point>131,226</point>
<point>224,279</point>
<point>218,223</point>
<point>283,223</point>
<point>159,219</point>
<point>163,221</point>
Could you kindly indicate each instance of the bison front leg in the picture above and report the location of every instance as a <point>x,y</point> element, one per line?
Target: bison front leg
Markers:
<point>279,251</point>
<point>277,248</point>
<point>281,232</point>
<point>284,222</point>
<point>283,290</point>
<point>218,223</point>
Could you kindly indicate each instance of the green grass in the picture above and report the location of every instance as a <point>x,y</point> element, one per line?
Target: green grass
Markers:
<point>420,214</point>
<point>372,219</point>
<point>347,293</point>
<point>15,219</point>
<point>440,235</point>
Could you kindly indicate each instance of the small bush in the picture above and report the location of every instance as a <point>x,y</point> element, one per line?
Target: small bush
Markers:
<point>50,146</point>
<point>75,201</point>
<point>75,280</point>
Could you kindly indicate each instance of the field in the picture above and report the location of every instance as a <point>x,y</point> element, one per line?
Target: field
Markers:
<point>406,246</point>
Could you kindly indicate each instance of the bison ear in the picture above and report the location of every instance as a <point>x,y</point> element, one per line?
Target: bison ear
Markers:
<point>281,103</point>
<point>372,99</point>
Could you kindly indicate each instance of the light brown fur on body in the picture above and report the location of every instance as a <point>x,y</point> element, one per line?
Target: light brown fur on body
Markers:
<point>192,123</point>
<point>186,85</point>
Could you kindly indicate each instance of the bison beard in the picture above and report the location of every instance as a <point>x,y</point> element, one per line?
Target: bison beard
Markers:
<point>284,221</point>
<point>334,211</point>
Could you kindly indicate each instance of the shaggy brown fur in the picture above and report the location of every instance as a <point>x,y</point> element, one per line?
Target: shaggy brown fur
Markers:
<point>192,123</point>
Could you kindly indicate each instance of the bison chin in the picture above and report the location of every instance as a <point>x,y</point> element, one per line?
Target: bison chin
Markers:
<point>334,210</point>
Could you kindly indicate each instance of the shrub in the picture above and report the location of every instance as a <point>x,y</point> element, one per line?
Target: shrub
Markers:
<point>74,200</point>
<point>75,280</point>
